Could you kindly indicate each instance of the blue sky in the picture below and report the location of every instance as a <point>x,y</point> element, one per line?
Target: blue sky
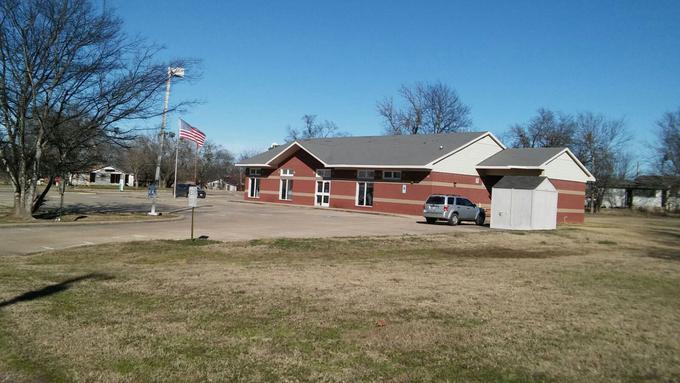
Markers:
<point>267,63</point>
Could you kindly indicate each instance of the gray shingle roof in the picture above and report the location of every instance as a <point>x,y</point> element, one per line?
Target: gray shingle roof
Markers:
<point>410,150</point>
<point>521,157</point>
<point>520,182</point>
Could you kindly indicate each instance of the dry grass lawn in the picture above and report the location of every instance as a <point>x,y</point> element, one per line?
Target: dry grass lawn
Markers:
<point>598,302</point>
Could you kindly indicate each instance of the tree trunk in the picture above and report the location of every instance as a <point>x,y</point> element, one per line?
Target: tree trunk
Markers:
<point>62,190</point>
<point>41,198</point>
<point>593,198</point>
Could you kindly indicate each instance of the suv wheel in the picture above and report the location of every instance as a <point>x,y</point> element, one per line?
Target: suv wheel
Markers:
<point>480,219</point>
<point>453,221</point>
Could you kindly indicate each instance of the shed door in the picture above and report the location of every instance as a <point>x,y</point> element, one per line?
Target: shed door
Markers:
<point>544,212</point>
<point>501,209</point>
<point>521,209</point>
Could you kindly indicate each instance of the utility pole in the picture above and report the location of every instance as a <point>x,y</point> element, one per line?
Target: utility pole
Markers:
<point>172,72</point>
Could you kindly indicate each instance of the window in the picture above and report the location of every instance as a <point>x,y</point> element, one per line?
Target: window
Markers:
<point>364,193</point>
<point>287,172</point>
<point>93,177</point>
<point>365,174</point>
<point>451,201</point>
<point>323,173</point>
<point>115,178</point>
<point>286,189</point>
<point>254,189</point>
<point>255,171</point>
<point>391,175</point>
<point>464,202</point>
<point>435,200</point>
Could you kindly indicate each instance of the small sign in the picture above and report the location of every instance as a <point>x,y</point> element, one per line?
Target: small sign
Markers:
<point>152,191</point>
<point>193,196</point>
<point>403,189</point>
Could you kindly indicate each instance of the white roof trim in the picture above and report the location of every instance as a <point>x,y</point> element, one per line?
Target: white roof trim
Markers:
<point>484,135</point>
<point>252,165</point>
<point>268,163</point>
<point>510,167</point>
<point>346,166</point>
<point>299,146</point>
<point>378,166</point>
<point>573,157</point>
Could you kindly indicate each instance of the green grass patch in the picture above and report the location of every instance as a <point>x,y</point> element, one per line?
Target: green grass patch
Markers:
<point>607,242</point>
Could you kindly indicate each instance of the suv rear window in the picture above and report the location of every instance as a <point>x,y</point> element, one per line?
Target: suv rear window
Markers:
<point>435,200</point>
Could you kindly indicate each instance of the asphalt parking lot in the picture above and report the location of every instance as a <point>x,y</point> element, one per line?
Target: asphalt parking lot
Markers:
<point>221,216</point>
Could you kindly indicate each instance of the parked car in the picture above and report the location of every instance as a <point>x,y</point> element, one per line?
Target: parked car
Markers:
<point>183,190</point>
<point>453,209</point>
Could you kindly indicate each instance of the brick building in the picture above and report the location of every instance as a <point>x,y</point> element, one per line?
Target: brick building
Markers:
<point>396,174</point>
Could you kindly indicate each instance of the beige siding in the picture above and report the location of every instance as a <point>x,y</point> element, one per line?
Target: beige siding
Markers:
<point>465,161</point>
<point>565,168</point>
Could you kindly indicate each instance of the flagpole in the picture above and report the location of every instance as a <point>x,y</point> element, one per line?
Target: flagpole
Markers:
<point>196,166</point>
<point>174,186</point>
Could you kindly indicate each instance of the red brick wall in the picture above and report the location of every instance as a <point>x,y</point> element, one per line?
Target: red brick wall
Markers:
<point>570,201</point>
<point>304,166</point>
<point>388,196</point>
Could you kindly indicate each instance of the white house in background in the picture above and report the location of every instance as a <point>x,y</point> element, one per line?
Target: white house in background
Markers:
<point>221,185</point>
<point>108,175</point>
<point>644,192</point>
<point>524,203</point>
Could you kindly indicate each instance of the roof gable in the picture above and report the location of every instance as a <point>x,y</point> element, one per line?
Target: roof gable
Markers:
<point>537,158</point>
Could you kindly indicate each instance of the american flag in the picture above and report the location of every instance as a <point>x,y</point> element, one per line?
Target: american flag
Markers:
<point>190,133</point>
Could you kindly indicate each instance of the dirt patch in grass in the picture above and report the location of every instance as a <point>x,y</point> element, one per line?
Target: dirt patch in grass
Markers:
<point>585,303</point>
<point>7,217</point>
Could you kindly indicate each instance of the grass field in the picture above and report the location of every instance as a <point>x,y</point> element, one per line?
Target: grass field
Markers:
<point>598,302</point>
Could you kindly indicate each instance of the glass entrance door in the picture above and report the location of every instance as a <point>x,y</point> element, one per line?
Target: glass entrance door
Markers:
<point>323,193</point>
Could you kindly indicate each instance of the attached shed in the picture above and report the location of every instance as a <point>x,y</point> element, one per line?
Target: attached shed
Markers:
<point>524,203</point>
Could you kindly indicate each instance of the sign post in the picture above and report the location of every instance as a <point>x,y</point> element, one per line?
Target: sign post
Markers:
<point>193,202</point>
<point>152,194</point>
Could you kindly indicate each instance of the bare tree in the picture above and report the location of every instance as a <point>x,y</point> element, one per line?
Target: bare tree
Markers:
<point>668,144</point>
<point>547,129</point>
<point>313,129</point>
<point>139,159</point>
<point>215,163</point>
<point>390,115</point>
<point>600,144</point>
<point>71,147</point>
<point>427,109</point>
<point>64,61</point>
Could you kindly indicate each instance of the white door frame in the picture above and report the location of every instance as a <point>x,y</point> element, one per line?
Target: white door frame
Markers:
<point>322,193</point>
